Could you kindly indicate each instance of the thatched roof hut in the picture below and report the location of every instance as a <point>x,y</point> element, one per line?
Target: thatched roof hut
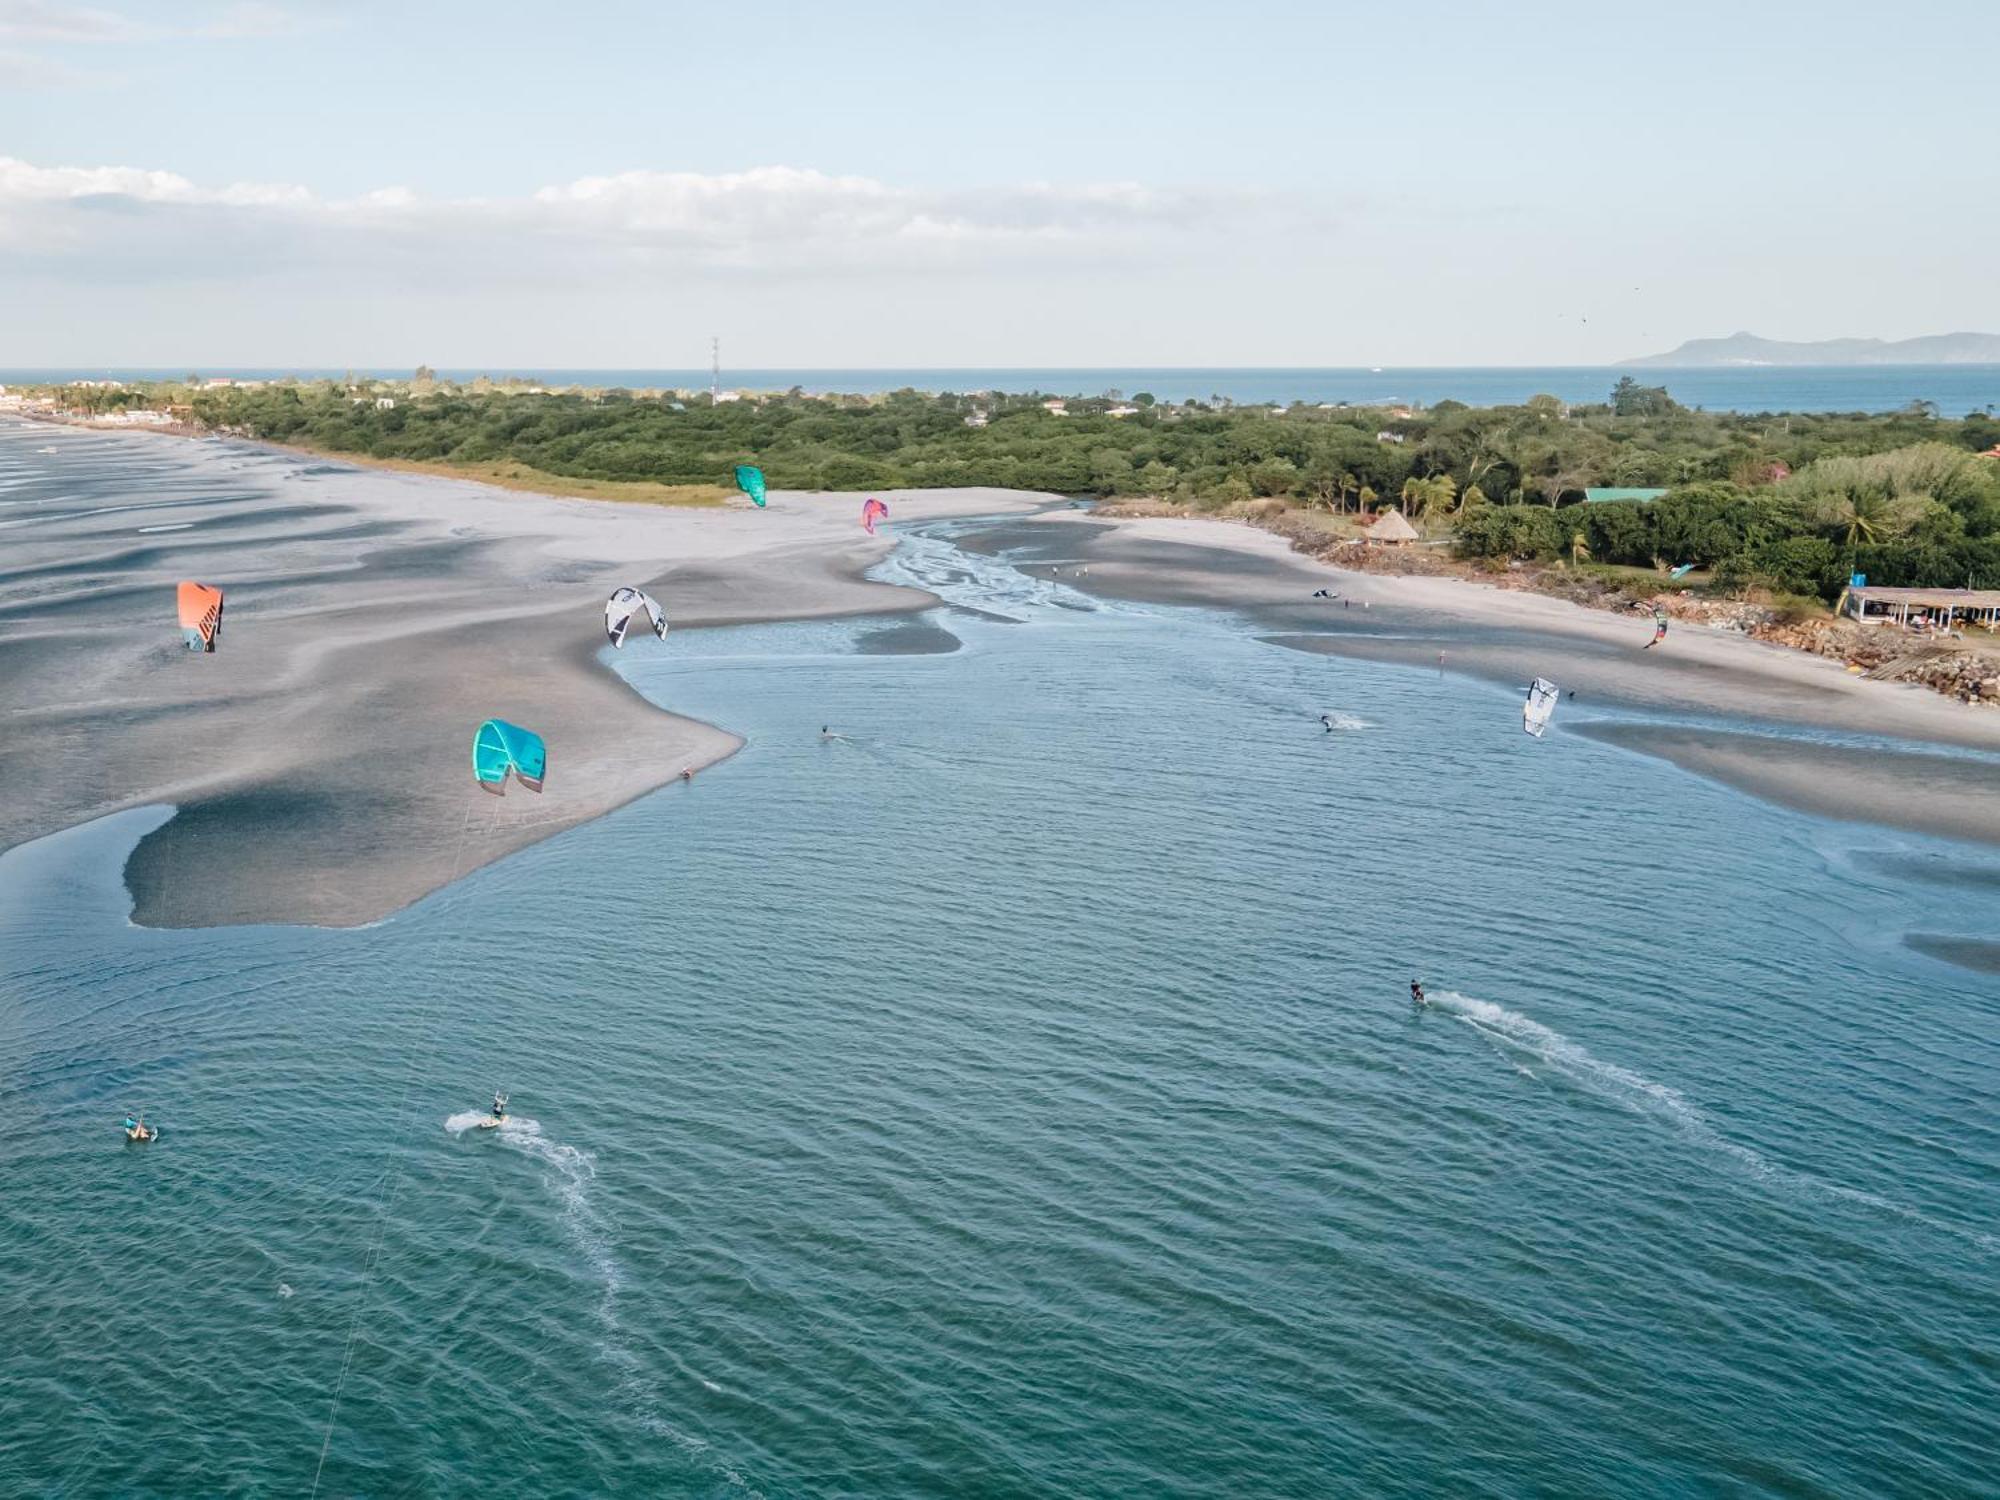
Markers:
<point>1391,527</point>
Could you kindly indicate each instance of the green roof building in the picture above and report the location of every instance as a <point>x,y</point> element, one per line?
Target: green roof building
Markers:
<point>1603,497</point>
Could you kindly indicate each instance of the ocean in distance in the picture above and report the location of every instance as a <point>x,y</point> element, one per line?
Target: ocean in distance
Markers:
<point>1018,1095</point>
<point>1955,389</point>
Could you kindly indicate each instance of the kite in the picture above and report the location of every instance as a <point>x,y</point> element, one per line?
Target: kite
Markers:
<point>750,480</point>
<point>201,615</point>
<point>625,603</point>
<point>1540,707</point>
<point>874,510</point>
<point>499,748</point>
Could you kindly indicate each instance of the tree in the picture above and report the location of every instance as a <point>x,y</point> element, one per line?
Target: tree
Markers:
<point>1631,399</point>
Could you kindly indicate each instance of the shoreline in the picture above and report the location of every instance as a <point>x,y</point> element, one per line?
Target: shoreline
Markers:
<point>1739,688</point>
<point>318,760</point>
<point>376,616</point>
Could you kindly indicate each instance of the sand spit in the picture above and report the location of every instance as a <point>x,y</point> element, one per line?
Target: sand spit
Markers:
<point>320,758</point>
<point>1510,637</point>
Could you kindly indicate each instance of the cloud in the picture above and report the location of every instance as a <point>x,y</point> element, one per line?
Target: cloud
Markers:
<point>774,220</point>
<point>45,21</point>
<point>25,70</point>
<point>50,23</point>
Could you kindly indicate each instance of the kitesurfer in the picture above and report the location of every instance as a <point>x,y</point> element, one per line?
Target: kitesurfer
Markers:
<point>499,1107</point>
<point>137,1130</point>
<point>1417,994</point>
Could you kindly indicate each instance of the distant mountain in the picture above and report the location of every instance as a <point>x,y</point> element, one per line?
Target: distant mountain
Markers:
<point>1748,349</point>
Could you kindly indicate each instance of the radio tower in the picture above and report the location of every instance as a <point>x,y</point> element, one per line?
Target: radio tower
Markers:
<point>714,370</point>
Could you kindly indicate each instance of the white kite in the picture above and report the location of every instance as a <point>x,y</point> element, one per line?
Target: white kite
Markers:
<point>623,605</point>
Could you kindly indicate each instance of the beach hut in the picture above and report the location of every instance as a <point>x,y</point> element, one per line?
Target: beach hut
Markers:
<point>1390,527</point>
<point>1934,607</point>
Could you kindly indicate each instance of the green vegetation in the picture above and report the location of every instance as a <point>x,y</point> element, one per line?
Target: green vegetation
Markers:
<point>1792,502</point>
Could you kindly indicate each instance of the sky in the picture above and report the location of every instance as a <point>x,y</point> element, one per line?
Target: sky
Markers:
<point>607,185</point>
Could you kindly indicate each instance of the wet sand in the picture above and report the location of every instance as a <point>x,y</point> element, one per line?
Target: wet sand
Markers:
<point>320,758</point>
<point>1508,637</point>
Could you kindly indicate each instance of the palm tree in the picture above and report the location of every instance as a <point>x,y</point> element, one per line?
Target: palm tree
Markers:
<point>1579,548</point>
<point>1471,497</point>
<point>1862,517</point>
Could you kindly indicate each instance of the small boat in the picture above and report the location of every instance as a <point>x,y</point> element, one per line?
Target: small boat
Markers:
<point>139,1132</point>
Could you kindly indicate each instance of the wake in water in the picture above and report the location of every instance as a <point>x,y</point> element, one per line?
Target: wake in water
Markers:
<point>570,1175</point>
<point>1345,723</point>
<point>1515,1032</point>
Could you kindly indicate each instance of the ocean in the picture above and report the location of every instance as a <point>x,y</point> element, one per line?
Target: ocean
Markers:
<point>1955,389</point>
<point>1017,1093</point>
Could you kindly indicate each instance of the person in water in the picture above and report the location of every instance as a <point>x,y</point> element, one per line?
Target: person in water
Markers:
<point>1417,994</point>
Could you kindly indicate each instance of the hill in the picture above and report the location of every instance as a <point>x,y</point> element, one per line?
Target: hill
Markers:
<point>1749,349</point>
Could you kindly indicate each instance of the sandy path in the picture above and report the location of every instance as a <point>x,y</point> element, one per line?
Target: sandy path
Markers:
<point>320,758</point>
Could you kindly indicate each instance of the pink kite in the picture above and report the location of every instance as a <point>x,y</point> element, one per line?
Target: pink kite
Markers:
<point>872,512</point>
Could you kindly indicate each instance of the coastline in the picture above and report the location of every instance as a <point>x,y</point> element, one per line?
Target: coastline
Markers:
<point>318,760</point>
<point>376,616</point>
<point>1738,690</point>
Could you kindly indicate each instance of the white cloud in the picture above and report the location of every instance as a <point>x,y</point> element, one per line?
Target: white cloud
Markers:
<point>25,70</point>
<point>765,220</point>
<point>46,21</point>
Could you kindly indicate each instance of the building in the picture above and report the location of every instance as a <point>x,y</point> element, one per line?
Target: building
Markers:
<point>1392,529</point>
<point>1386,436</point>
<point>1123,411</point>
<point>1936,607</point>
<point>1056,408</point>
<point>1617,493</point>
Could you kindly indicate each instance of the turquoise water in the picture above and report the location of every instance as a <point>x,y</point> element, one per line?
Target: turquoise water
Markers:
<point>1957,389</point>
<point>1018,1096</point>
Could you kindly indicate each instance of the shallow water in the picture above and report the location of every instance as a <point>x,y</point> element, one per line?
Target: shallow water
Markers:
<point>1016,1094</point>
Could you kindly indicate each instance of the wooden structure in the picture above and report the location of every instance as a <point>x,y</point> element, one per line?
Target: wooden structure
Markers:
<point>1938,607</point>
<point>1390,527</point>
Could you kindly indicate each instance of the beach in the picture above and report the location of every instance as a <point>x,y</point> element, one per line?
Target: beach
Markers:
<point>1013,1091</point>
<point>1761,718</point>
<point>374,619</point>
<point>319,758</point>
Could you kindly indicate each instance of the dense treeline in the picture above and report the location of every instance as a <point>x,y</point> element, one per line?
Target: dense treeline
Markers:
<point>1795,501</point>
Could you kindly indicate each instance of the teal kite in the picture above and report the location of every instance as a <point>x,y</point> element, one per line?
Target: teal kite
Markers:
<point>751,481</point>
<point>500,747</point>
